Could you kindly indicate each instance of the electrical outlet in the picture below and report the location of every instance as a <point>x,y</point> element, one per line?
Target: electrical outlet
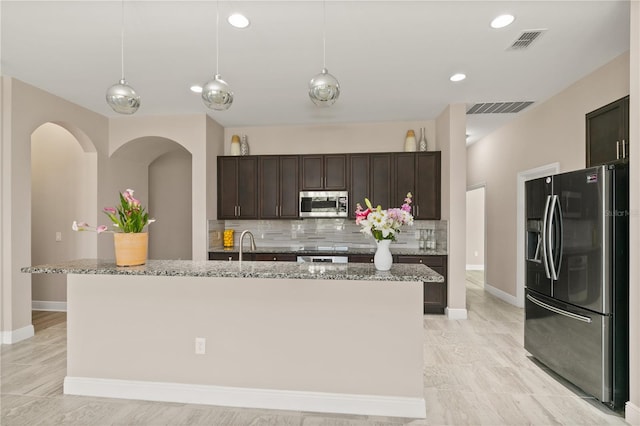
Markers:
<point>201,345</point>
<point>58,236</point>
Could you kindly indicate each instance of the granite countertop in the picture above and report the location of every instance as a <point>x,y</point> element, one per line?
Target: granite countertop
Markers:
<point>333,250</point>
<point>212,268</point>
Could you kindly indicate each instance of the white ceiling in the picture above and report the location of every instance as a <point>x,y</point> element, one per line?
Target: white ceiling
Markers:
<point>393,58</point>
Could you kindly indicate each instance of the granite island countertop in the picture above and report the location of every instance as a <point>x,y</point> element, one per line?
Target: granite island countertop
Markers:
<point>248,269</point>
<point>332,250</point>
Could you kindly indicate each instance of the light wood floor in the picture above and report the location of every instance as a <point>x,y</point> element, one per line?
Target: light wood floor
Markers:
<point>476,373</point>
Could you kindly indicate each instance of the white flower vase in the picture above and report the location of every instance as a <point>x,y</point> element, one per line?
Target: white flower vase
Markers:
<point>383,259</point>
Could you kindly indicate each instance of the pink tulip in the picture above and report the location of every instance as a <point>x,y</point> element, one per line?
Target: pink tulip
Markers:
<point>101,228</point>
<point>110,210</point>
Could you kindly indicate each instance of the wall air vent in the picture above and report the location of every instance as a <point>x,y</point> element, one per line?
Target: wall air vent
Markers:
<point>525,39</point>
<point>499,107</point>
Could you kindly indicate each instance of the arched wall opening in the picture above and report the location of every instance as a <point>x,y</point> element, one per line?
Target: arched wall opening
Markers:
<point>63,189</point>
<point>159,170</point>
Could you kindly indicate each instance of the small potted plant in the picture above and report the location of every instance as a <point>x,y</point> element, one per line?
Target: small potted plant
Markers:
<point>130,239</point>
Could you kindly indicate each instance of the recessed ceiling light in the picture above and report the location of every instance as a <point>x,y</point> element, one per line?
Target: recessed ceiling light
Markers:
<point>457,77</point>
<point>502,21</point>
<point>238,20</point>
<point>196,88</point>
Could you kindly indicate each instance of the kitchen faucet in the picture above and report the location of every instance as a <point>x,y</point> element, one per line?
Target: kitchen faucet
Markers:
<point>251,239</point>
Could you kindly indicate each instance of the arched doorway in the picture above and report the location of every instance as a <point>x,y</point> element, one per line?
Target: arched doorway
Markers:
<point>159,170</point>
<point>63,189</point>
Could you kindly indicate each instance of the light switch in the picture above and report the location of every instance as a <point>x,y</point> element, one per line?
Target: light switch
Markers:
<point>58,236</point>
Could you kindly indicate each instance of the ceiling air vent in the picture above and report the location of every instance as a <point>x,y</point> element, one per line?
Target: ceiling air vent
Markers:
<point>498,107</point>
<point>526,38</point>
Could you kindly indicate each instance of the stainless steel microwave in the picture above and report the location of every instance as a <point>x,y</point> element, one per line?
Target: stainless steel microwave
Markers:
<point>324,204</point>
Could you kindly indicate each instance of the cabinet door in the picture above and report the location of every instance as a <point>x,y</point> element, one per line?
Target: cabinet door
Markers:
<point>359,173</point>
<point>227,187</point>
<point>435,294</point>
<point>248,188</point>
<point>312,172</point>
<point>269,186</point>
<point>381,186</point>
<point>335,172</point>
<point>607,133</point>
<point>289,192</point>
<point>427,195</point>
<point>405,177</point>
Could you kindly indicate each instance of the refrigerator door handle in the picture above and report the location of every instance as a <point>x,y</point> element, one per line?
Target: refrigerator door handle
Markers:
<point>558,310</point>
<point>559,241</point>
<point>545,248</point>
<point>554,243</point>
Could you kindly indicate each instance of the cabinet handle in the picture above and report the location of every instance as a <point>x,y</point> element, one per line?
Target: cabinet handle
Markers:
<point>417,210</point>
<point>624,148</point>
<point>617,150</point>
<point>276,210</point>
<point>239,211</point>
<point>229,258</point>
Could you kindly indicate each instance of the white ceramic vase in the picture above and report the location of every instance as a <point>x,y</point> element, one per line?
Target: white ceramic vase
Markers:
<point>383,259</point>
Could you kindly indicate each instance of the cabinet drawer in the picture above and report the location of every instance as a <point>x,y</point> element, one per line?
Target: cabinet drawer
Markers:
<point>430,261</point>
<point>361,258</point>
<point>225,256</point>
<point>275,257</point>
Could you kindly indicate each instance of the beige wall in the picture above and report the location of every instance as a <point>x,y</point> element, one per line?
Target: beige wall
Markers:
<point>450,140</point>
<point>138,136</point>
<point>25,108</point>
<point>170,199</point>
<point>632,413</point>
<point>553,131</point>
<point>324,139</point>
<point>475,228</point>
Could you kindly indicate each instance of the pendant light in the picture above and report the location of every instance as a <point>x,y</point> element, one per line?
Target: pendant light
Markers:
<point>216,93</point>
<point>121,97</point>
<point>324,88</point>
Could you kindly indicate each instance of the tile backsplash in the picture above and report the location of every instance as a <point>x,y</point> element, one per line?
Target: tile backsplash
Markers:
<point>320,233</point>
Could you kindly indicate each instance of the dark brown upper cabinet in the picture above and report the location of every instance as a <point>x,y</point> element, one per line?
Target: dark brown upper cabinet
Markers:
<point>278,186</point>
<point>608,133</point>
<point>418,173</point>
<point>370,176</point>
<point>323,172</point>
<point>238,187</point>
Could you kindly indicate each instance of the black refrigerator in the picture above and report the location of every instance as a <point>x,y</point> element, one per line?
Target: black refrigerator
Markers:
<point>577,278</point>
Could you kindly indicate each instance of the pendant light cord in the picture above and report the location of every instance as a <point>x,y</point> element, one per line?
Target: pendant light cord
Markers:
<point>217,35</point>
<point>324,34</point>
<point>122,39</point>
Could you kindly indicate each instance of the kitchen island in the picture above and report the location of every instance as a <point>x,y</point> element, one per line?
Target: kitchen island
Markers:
<point>306,337</point>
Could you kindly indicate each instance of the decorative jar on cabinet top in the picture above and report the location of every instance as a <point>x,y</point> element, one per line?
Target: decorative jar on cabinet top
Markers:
<point>235,145</point>
<point>410,141</point>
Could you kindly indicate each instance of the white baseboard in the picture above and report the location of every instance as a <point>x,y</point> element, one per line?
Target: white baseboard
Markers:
<point>247,397</point>
<point>475,267</point>
<point>15,336</point>
<point>502,295</point>
<point>455,314</point>
<point>632,414</point>
<point>45,305</point>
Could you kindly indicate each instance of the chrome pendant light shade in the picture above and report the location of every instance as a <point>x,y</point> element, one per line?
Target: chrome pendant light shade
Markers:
<point>216,94</point>
<point>122,98</point>
<point>324,89</point>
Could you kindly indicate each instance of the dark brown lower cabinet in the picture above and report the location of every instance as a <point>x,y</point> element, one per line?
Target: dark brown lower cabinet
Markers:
<point>435,294</point>
<point>275,257</point>
<point>361,258</point>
